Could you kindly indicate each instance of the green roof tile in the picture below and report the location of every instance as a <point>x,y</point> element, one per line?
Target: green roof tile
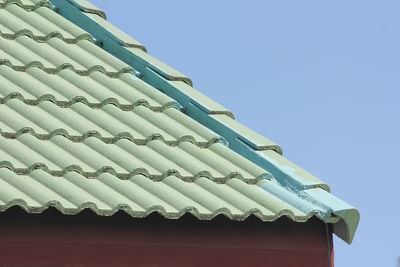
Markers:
<point>200,100</point>
<point>88,7</point>
<point>28,5</point>
<point>253,139</point>
<point>160,67</point>
<point>109,124</point>
<point>125,39</point>
<point>156,160</point>
<point>82,57</point>
<point>81,126</point>
<point>140,196</point>
<point>41,24</point>
<point>67,87</point>
<point>290,169</point>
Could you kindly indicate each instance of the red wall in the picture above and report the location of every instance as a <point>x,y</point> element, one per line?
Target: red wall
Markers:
<point>87,239</point>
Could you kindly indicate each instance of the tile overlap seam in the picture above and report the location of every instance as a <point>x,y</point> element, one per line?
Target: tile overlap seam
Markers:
<point>43,39</point>
<point>111,140</point>
<point>38,64</point>
<point>125,176</point>
<point>42,3</point>
<point>83,100</point>
<point>90,10</point>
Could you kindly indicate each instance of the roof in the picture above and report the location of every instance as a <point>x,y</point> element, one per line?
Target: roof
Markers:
<point>90,120</point>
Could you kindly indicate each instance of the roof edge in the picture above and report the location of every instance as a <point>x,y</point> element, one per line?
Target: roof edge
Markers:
<point>345,218</point>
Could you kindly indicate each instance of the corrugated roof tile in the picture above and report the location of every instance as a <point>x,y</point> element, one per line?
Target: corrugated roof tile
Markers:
<point>108,123</point>
<point>246,135</point>
<point>41,24</point>
<point>161,68</point>
<point>66,87</point>
<point>125,39</point>
<point>290,169</point>
<point>56,55</point>
<point>140,196</point>
<point>201,101</point>
<point>29,5</point>
<point>88,7</point>
<point>124,159</point>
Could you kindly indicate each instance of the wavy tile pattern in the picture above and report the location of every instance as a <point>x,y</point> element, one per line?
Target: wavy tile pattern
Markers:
<point>86,117</point>
<point>109,123</point>
<point>40,25</point>
<point>140,196</point>
<point>56,55</point>
<point>124,159</point>
<point>66,88</point>
<point>29,5</point>
<point>88,7</point>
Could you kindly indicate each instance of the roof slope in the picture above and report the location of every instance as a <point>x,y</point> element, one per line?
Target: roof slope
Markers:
<point>90,120</point>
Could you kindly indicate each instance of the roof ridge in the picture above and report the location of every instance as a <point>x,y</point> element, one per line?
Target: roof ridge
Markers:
<point>83,100</point>
<point>178,90</point>
<point>38,64</point>
<point>41,3</point>
<point>136,171</point>
<point>45,38</point>
<point>112,140</point>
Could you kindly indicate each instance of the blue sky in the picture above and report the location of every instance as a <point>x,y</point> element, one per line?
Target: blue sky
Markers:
<point>320,78</point>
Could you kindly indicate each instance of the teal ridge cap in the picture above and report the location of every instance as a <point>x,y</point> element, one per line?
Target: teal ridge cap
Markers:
<point>70,10</point>
<point>98,32</point>
<point>242,148</point>
<point>346,226</point>
<point>323,205</point>
<point>285,184</point>
<point>164,74</point>
<point>192,108</point>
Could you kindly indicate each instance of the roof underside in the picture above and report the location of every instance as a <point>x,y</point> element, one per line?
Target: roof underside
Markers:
<point>83,127</point>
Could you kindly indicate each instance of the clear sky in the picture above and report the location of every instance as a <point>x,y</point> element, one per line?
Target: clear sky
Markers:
<point>320,78</point>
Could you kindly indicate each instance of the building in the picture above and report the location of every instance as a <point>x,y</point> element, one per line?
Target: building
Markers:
<point>153,172</point>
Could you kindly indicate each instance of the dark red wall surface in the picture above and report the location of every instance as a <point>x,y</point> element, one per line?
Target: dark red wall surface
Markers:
<point>86,239</point>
